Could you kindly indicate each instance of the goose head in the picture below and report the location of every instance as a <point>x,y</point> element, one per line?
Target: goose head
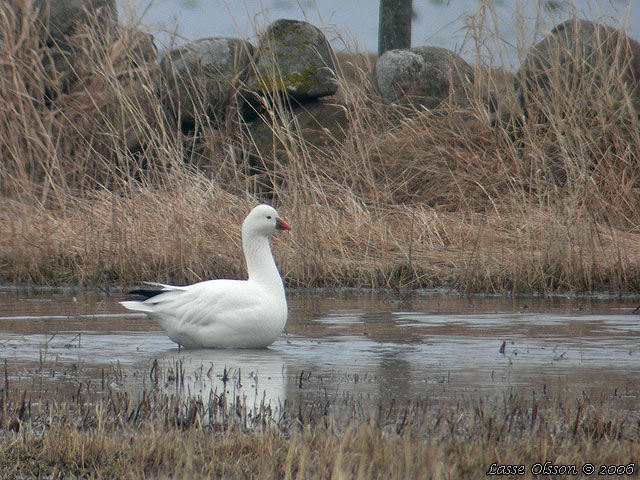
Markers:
<point>263,220</point>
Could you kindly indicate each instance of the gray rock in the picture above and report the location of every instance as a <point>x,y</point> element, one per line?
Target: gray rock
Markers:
<point>58,63</point>
<point>293,57</point>
<point>60,17</point>
<point>201,76</point>
<point>139,58</point>
<point>60,20</point>
<point>423,76</point>
<point>69,62</point>
<point>142,47</point>
<point>315,125</point>
<point>578,56</point>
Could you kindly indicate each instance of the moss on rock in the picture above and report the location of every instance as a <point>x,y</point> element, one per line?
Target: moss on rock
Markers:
<point>293,57</point>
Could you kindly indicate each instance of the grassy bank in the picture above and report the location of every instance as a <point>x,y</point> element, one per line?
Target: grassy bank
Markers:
<point>164,432</point>
<point>447,198</point>
<point>165,437</point>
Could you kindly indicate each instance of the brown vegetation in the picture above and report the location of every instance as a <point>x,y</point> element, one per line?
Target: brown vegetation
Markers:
<point>456,197</point>
<point>166,433</point>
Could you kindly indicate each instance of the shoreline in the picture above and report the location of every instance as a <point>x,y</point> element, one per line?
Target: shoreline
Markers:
<point>162,434</point>
<point>404,294</point>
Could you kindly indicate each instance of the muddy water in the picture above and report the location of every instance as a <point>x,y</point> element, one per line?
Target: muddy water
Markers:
<point>362,345</point>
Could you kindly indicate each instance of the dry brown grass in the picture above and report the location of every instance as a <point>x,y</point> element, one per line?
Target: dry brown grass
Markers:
<point>447,198</point>
<point>100,433</point>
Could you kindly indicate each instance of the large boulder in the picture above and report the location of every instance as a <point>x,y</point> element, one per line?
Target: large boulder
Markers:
<point>113,105</point>
<point>423,77</point>
<point>318,124</point>
<point>272,140</point>
<point>580,60</point>
<point>131,110</point>
<point>72,62</point>
<point>59,18</point>
<point>140,45</point>
<point>295,58</point>
<point>60,21</point>
<point>201,76</point>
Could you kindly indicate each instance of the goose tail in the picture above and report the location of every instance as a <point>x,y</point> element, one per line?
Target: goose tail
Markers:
<point>138,301</point>
<point>137,306</point>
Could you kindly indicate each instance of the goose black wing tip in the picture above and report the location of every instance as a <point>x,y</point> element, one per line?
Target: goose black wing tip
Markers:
<point>142,294</point>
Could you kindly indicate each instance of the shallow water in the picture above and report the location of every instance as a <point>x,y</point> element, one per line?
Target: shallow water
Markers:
<point>354,344</point>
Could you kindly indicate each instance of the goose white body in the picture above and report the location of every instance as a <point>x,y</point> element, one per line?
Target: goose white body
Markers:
<point>227,313</point>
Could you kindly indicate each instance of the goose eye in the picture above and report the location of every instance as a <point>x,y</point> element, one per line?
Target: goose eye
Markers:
<point>268,217</point>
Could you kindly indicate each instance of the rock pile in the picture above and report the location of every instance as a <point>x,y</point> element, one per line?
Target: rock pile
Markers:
<point>287,84</point>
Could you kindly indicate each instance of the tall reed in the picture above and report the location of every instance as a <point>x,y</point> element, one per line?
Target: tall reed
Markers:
<point>100,185</point>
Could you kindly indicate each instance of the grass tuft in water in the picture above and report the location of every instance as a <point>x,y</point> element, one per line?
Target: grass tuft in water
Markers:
<point>165,432</point>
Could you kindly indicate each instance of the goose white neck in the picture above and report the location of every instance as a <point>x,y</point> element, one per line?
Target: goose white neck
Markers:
<point>260,264</point>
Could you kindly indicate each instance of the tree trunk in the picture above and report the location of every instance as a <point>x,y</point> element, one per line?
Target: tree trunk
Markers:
<point>395,25</point>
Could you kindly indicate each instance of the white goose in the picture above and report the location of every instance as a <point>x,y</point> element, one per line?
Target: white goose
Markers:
<point>226,313</point>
